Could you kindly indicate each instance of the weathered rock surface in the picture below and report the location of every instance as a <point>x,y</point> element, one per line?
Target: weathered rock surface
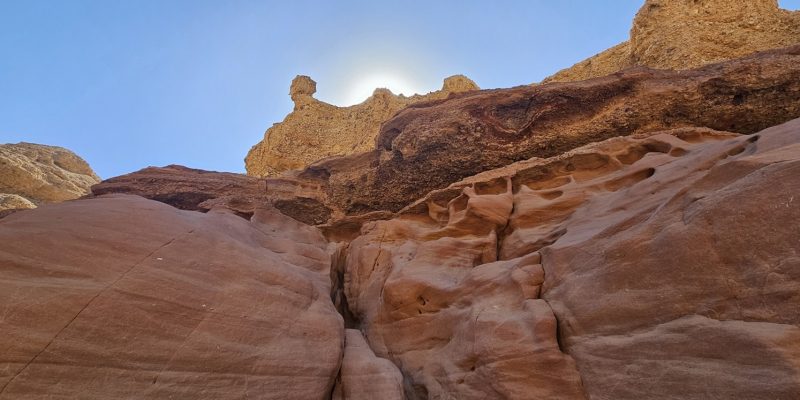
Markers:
<point>317,130</point>
<point>194,189</point>
<point>13,201</point>
<point>617,238</point>
<point>434,299</point>
<point>123,297</point>
<point>42,174</point>
<point>668,260</point>
<point>430,145</point>
<point>684,34</point>
<point>685,284</point>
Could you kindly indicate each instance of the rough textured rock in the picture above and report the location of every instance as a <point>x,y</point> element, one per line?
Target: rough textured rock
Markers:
<point>43,174</point>
<point>123,297</point>
<point>684,34</point>
<point>434,299</point>
<point>430,145</point>
<point>666,258</point>
<point>364,376</point>
<point>13,201</point>
<point>317,130</point>
<point>194,189</point>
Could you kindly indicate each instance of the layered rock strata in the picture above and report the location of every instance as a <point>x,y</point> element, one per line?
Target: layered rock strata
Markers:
<point>431,145</point>
<point>199,190</point>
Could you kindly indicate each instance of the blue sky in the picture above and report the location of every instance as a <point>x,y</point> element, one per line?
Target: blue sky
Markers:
<point>132,83</point>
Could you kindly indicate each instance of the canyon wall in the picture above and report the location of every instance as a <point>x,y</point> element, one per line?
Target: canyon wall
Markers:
<point>631,236</point>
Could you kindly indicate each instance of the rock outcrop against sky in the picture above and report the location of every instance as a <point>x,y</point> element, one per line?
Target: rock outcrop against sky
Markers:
<point>32,174</point>
<point>683,34</point>
<point>432,145</point>
<point>316,130</point>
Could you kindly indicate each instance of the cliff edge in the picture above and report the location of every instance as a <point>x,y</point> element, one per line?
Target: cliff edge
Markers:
<point>686,34</point>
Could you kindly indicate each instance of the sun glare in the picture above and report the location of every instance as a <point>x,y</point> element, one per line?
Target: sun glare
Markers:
<point>363,88</point>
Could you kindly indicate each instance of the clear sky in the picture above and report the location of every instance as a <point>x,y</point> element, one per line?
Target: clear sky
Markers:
<point>132,83</point>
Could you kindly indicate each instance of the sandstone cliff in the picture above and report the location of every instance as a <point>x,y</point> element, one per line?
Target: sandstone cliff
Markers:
<point>684,34</point>
<point>653,266</point>
<point>631,237</point>
<point>316,130</point>
<point>35,174</point>
<point>431,145</point>
<point>657,265</point>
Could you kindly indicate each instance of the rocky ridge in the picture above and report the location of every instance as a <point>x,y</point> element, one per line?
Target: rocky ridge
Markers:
<point>685,34</point>
<point>446,141</point>
<point>315,130</point>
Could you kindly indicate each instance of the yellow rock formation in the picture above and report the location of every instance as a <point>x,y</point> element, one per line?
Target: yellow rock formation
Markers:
<point>317,130</point>
<point>683,34</point>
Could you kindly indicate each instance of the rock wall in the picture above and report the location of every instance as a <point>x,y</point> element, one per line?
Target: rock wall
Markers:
<point>32,174</point>
<point>429,146</point>
<point>664,259</point>
<point>656,265</point>
<point>685,34</point>
<point>317,130</point>
<point>122,297</point>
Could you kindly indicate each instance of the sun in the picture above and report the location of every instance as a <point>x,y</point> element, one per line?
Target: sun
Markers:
<point>364,86</point>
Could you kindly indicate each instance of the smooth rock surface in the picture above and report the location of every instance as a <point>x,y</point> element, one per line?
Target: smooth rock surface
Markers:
<point>684,34</point>
<point>685,284</point>
<point>122,297</point>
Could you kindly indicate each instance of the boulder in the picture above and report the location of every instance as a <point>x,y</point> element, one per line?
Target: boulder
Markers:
<point>42,174</point>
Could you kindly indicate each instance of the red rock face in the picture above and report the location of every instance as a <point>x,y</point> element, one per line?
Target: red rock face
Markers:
<point>667,259</point>
<point>429,146</point>
<point>194,189</point>
<point>122,297</point>
<point>647,264</point>
<point>692,274</point>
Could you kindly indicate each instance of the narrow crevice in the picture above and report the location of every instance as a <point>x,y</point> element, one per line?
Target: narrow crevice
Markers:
<point>559,333</point>
<point>338,297</point>
<point>502,232</point>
